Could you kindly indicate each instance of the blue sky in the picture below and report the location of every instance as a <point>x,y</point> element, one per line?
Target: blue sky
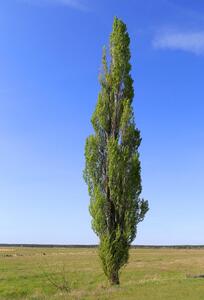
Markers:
<point>50,57</point>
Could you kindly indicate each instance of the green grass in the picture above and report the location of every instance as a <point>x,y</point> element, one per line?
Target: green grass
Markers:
<point>152,274</point>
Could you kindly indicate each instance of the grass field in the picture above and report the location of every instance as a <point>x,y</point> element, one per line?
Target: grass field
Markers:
<point>152,274</point>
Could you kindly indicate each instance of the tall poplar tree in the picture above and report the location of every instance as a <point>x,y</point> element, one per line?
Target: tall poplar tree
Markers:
<point>112,170</point>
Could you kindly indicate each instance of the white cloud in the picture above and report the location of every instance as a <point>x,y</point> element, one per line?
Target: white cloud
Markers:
<point>73,3</point>
<point>70,3</point>
<point>192,42</point>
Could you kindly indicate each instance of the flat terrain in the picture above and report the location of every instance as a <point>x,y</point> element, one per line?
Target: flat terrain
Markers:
<point>75,273</point>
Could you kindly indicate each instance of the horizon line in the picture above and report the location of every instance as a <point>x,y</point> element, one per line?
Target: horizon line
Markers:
<point>36,245</point>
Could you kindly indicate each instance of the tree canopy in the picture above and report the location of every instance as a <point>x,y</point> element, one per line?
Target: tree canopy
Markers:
<point>112,171</point>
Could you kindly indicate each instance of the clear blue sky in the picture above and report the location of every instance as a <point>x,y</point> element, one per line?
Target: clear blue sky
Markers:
<point>50,57</point>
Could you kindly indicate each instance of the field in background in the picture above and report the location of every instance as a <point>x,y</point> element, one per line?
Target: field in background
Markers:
<point>152,274</point>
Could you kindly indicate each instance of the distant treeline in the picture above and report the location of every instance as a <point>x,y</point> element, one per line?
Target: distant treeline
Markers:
<point>95,246</point>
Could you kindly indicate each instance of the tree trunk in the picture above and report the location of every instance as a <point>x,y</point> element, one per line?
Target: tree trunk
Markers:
<point>114,278</point>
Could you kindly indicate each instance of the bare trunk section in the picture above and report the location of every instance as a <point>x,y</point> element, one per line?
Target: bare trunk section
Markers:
<point>114,278</point>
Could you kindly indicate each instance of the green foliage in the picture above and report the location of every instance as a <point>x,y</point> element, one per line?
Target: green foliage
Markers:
<point>112,169</point>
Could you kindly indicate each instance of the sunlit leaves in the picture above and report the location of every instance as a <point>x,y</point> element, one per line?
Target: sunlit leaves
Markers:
<point>112,169</point>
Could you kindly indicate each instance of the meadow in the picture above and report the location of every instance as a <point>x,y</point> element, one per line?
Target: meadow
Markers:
<point>75,273</point>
